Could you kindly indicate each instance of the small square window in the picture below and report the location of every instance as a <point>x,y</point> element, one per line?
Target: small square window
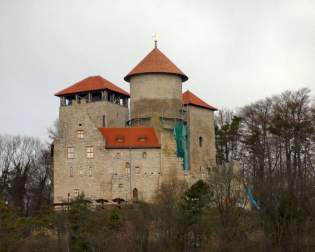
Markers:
<point>70,152</point>
<point>80,134</point>
<point>89,152</point>
<point>120,185</point>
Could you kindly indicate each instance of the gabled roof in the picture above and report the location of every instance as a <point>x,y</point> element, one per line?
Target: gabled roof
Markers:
<point>125,138</point>
<point>190,99</point>
<point>156,62</point>
<point>92,83</point>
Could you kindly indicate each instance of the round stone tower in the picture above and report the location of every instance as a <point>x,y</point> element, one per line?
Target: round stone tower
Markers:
<point>155,90</point>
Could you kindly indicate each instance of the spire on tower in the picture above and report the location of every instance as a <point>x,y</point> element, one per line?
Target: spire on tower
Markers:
<point>155,37</point>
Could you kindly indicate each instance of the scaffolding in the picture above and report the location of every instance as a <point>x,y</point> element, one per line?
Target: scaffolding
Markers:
<point>180,134</point>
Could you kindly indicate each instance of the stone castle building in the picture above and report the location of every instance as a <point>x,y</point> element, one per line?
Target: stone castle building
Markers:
<point>115,145</point>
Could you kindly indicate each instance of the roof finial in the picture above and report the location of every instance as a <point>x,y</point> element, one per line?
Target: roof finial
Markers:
<point>155,37</point>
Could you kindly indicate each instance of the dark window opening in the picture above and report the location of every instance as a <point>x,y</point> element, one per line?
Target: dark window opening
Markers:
<point>104,121</point>
<point>69,100</point>
<point>200,141</point>
<point>135,193</point>
<point>97,96</point>
<point>82,97</point>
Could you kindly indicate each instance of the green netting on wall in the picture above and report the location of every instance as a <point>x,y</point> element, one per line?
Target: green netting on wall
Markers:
<point>180,134</point>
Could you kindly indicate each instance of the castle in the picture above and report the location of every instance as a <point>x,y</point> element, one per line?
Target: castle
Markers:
<point>112,145</point>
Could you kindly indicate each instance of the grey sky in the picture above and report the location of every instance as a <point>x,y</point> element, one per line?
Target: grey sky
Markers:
<point>234,51</point>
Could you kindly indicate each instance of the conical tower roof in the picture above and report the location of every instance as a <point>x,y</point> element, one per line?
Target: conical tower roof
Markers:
<point>191,99</point>
<point>156,62</point>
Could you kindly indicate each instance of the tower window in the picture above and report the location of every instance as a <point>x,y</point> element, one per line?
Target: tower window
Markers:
<point>144,154</point>
<point>89,152</point>
<point>80,134</point>
<point>200,141</point>
<point>90,171</point>
<point>70,152</point>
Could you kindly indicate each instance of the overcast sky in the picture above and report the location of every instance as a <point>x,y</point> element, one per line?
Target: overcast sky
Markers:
<point>233,51</point>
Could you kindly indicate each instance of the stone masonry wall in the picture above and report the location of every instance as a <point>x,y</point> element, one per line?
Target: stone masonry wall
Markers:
<point>110,173</point>
<point>200,124</point>
<point>155,93</point>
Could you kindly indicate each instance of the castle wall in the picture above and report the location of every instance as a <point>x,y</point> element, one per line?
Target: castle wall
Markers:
<point>155,93</point>
<point>78,172</point>
<point>200,123</point>
<point>111,173</point>
<point>115,115</point>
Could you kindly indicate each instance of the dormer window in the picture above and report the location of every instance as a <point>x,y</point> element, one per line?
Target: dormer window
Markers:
<point>142,139</point>
<point>120,139</point>
<point>80,134</point>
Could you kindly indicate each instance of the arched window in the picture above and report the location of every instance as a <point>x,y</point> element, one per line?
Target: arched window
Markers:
<point>200,141</point>
<point>135,194</point>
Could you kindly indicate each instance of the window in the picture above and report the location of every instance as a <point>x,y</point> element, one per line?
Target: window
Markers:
<point>142,139</point>
<point>104,121</point>
<point>137,169</point>
<point>135,193</point>
<point>127,167</point>
<point>120,185</point>
<point>80,134</point>
<point>76,192</point>
<point>120,139</point>
<point>118,155</point>
<point>200,141</point>
<point>89,152</point>
<point>81,173</point>
<point>70,152</point>
<point>71,171</point>
<point>90,171</point>
<point>144,154</point>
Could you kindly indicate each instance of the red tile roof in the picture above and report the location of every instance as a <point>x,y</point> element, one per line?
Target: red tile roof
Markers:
<point>156,62</point>
<point>92,83</point>
<point>190,99</point>
<point>125,138</point>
